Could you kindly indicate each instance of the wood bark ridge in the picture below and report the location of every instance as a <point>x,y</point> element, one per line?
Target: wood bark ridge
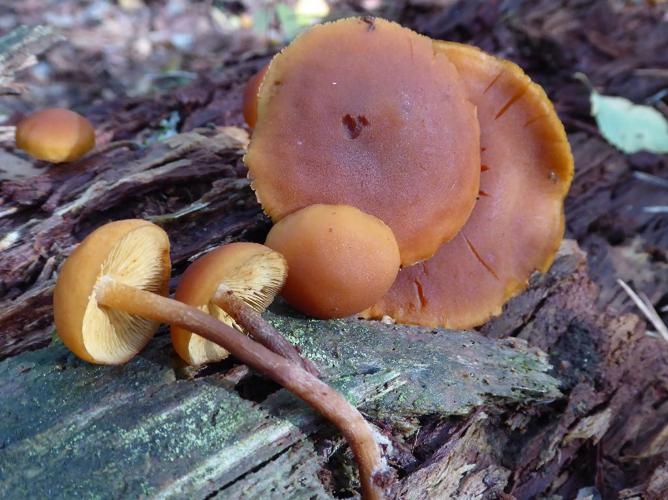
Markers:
<point>450,434</point>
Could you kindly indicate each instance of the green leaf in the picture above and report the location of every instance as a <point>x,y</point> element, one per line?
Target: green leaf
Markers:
<point>288,19</point>
<point>261,22</point>
<point>629,127</point>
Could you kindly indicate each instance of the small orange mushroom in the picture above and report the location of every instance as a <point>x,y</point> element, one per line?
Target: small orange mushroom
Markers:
<point>250,96</point>
<point>340,259</point>
<point>55,135</point>
<point>132,251</point>
<point>233,283</point>
<point>362,112</point>
<point>109,301</point>
<point>518,222</point>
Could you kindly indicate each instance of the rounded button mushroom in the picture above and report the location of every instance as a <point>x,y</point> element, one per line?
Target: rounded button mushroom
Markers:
<point>55,135</point>
<point>109,301</point>
<point>340,259</point>
<point>362,112</point>
<point>518,222</point>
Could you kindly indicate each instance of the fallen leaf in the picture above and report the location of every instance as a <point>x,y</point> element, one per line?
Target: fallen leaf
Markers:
<point>629,127</point>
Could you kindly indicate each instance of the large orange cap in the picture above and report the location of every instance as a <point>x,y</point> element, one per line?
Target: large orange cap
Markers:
<point>56,135</point>
<point>362,112</point>
<point>517,224</point>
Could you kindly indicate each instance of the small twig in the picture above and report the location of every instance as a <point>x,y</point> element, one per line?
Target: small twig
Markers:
<point>654,180</point>
<point>131,145</point>
<point>182,212</point>
<point>4,212</point>
<point>652,72</point>
<point>656,209</point>
<point>647,308</point>
<point>259,330</point>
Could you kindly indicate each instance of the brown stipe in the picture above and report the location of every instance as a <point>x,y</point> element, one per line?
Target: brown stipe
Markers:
<point>259,330</point>
<point>324,399</point>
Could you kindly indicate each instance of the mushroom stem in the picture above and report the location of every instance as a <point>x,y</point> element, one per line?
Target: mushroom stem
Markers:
<point>258,329</point>
<point>330,403</point>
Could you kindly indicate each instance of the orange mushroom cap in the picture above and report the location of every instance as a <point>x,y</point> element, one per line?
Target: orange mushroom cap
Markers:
<point>518,222</point>
<point>251,271</point>
<point>340,259</point>
<point>362,112</point>
<point>250,96</point>
<point>134,252</point>
<point>55,135</point>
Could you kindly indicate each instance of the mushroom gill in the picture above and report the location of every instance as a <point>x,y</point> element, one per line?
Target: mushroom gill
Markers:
<point>252,272</point>
<point>135,253</point>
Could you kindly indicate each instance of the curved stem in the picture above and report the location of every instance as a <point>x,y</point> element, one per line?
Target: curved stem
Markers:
<point>324,399</point>
<point>258,329</point>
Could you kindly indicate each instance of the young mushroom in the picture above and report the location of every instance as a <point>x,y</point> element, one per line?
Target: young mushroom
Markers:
<point>362,112</point>
<point>55,135</point>
<point>109,301</point>
<point>518,222</point>
<point>341,260</point>
<point>250,96</point>
<point>233,283</point>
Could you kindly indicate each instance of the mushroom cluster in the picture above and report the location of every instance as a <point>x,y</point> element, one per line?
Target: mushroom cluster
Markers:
<point>457,152</point>
<point>110,298</point>
<point>407,177</point>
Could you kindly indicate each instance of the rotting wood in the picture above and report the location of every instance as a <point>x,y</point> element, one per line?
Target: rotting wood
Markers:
<point>165,436</point>
<point>605,360</point>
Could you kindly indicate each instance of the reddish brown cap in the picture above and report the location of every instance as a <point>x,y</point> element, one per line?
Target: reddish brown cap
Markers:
<point>362,112</point>
<point>517,224</point>
<point>56,135</point>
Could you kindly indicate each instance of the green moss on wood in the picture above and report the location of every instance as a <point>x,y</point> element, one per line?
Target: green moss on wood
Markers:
<point>71,429</point>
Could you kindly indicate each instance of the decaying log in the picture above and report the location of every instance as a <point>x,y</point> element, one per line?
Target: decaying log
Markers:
<point>524,439</point>
<point>215,432</point>
<point>141,430</point>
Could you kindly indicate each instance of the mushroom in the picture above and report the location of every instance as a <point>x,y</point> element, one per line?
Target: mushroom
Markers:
<point>341,260</point>
<point>109,301</point>
<point>55,135</point>
<point>233,283</point>
<point>362,112</point>
<point>250,96</point>
<point>518,222</point>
